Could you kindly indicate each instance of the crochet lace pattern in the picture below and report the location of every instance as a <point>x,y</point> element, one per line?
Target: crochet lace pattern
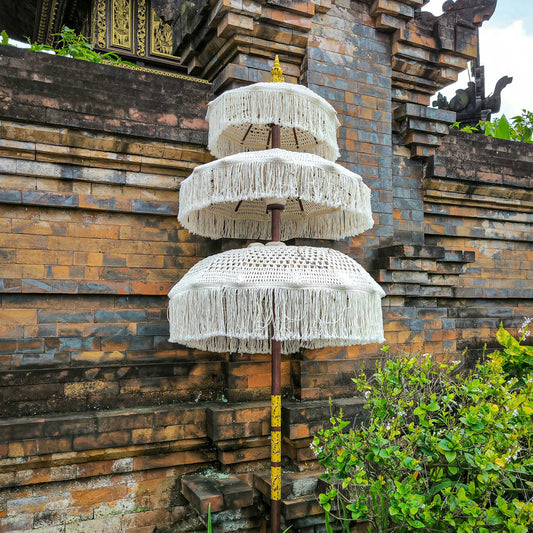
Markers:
<point>320,297</point>
<point>240,119</point>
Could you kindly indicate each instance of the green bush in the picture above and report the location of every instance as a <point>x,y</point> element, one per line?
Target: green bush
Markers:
<point>441,450</point>
<point>77,46</point>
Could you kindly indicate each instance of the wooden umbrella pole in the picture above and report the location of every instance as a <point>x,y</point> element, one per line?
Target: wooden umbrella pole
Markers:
<point>275,456</point>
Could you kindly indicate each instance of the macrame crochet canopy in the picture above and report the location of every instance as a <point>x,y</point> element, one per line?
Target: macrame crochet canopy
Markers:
<point>322,298</point>
<point>228,197</point>
<point>241,119</point>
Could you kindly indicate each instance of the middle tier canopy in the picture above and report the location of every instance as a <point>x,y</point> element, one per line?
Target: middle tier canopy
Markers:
<point>241,119</point>
<point>228,197</point>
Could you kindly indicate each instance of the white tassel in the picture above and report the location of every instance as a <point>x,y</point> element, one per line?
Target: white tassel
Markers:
<point>337,202</point>
<point>236,319</point>
<point>285,104</point>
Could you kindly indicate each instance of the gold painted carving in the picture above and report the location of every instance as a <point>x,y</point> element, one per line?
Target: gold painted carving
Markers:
<point>141,27</point>
<point>275,447</point>
<point>45,10</point>
<point>275,489</point>
<point>161,38</point>
<point>101,25</point>
<point>276,411</point>
<point>162,73</point>
<point>277,72</point>
<point>45,32</point>
<point>121,23</point>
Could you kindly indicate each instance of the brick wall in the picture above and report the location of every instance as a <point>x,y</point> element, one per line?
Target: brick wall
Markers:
<point>89,241</point>
<point>461,262</point>
<point>100,416</point>
<point>91,158</point>
<point>478,198</point>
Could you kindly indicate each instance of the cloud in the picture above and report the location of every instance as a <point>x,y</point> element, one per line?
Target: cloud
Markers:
<point>505,51</point>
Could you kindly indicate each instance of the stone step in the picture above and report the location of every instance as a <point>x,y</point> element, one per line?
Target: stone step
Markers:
<point>221,491</point>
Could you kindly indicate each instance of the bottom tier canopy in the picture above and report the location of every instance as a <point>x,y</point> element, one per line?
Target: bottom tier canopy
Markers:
<point>303,296</point>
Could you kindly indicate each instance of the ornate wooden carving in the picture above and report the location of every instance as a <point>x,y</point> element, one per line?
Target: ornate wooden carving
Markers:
<point>132,28</point>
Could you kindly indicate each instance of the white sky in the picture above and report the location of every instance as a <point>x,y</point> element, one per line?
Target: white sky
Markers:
<point>506,48</point>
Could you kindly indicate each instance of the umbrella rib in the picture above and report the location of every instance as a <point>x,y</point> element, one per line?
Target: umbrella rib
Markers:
<point>295,140</point>
<point>246,134</point>
<point>238,205</point>
<point>301,205</point>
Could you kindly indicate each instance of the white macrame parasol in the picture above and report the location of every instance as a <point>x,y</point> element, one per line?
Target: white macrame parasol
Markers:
<point>241,120</point>
<point>322,298</point>
<point>228,197</point>
<point>274,298</point>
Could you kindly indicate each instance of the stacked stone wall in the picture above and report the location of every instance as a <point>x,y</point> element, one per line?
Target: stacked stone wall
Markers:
<point>100,416</point>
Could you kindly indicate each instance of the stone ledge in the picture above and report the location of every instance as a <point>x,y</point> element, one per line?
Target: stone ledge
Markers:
<point>80,95</point>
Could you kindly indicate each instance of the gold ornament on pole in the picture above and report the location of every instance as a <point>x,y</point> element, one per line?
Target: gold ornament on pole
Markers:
<point>277,72</point>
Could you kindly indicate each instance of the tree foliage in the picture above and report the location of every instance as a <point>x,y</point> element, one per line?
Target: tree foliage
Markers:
<point>71,44</point>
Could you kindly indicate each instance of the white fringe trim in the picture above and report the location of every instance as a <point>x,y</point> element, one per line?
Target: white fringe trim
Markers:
<point>336,201</point>
<point>236,319</point>
<point>285,104</point>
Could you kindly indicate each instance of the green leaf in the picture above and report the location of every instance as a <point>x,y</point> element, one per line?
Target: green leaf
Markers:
<point>440,486</point>
<point>329,529</point>
<point>502,504</point>
<point>450,456</point>
<point>503,129</point>
<point>433,406</point>
<point>444,444</point>
<point>5,37</point>
<point>461,495</point>
<point>323,499</point>
<point>504,337</point>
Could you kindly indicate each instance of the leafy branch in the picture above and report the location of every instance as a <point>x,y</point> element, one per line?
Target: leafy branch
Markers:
<point>442,450</point>
<point>71,44</point>
<point>519,129</point>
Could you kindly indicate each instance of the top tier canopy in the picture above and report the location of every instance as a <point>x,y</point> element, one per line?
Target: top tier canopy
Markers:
<point>240,120</point>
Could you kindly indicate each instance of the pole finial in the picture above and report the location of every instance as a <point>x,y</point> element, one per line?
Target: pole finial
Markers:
<point>277,72</point>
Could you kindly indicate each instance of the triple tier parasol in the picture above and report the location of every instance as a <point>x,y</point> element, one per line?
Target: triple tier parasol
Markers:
<point>274,298</point>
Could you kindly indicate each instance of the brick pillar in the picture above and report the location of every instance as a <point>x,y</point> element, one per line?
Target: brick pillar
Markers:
<point>234,43</point>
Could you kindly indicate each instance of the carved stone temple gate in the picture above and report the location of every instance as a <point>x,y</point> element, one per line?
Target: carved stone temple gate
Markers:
<point>105,425</point>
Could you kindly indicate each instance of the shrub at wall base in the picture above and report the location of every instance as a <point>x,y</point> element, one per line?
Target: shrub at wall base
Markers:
<point>442,450</point>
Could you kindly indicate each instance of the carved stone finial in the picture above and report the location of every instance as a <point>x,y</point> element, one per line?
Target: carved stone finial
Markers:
<point>473,12</point>
<point>277,72</point>
<point>470,104</point>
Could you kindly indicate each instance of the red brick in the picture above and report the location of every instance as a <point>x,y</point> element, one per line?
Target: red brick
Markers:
<point>84,498</point>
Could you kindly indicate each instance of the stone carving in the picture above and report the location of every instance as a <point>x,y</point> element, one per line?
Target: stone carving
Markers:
<point>470,104</point>
<point>171,10</point>
<point>473,12</point>
<point>465,14</point>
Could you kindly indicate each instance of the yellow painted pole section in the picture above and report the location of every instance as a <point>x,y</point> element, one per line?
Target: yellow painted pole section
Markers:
<point>275,457</point>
